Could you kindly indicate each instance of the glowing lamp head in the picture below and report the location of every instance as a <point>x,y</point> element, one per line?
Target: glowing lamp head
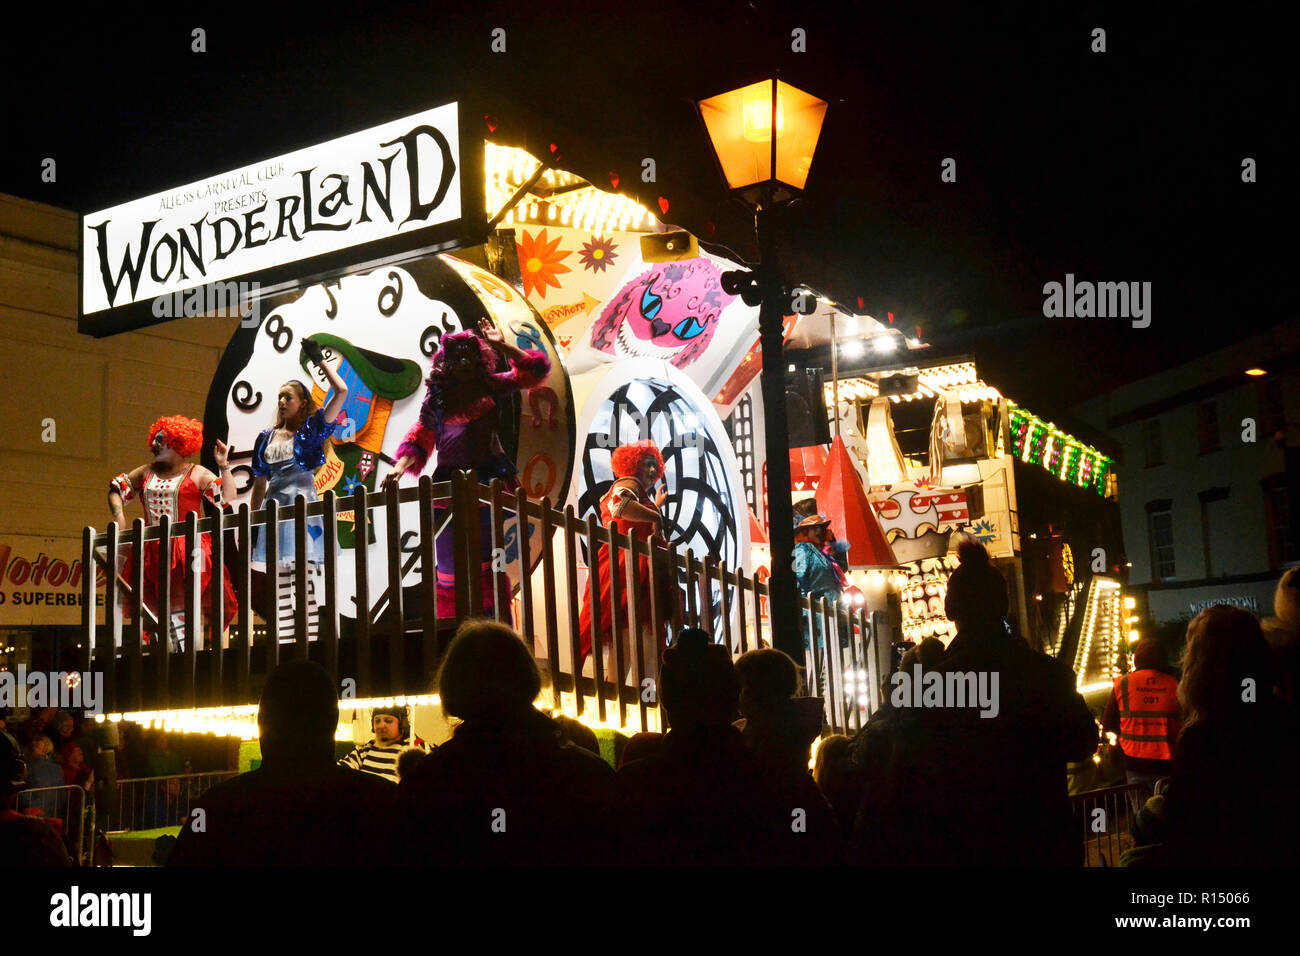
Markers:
<point>764,136</point>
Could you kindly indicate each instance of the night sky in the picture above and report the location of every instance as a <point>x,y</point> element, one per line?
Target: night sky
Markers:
<point>1115,166</point>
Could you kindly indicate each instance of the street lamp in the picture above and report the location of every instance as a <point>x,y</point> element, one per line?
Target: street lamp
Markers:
<point>764,136</point>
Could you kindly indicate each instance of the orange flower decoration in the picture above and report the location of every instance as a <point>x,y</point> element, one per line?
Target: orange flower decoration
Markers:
<point>539,263</point>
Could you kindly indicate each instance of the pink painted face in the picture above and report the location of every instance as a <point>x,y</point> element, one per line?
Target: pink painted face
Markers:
<point>669,312</point>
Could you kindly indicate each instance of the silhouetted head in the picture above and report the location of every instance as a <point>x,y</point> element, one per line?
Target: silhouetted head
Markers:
<point>31,842</point>
<point>1225,650</point>
<point>831,766</point>
<point>408,760</point>
<point>488,674</point>
<point>977,594</point>
<point>929,654</point>
<point>639,746</point>
<point>577,733</point>
<point>698,684</point>
<point>1149,655</point>
<point>768,677</point>
<point>298,714</point>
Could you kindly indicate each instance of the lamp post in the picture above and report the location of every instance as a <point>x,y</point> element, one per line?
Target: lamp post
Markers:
<point>764,136</point>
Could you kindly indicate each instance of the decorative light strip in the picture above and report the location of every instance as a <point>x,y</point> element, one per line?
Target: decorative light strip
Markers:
<point>580,204</point>
<point>1036,442</point>
<point>959,378</point>
<point>241,721</point>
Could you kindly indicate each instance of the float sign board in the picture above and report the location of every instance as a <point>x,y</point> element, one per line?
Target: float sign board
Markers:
<point>384,194</point>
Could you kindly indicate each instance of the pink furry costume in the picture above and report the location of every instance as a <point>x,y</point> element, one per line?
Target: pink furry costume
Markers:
<point>459,419</point>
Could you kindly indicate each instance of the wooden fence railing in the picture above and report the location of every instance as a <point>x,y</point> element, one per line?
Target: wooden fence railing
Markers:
<point>392,648</point>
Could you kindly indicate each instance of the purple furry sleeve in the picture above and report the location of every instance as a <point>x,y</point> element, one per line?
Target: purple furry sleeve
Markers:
<point>527,371</point>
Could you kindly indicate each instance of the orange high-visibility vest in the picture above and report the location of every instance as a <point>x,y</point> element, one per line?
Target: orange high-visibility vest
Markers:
<point>1148,714</point>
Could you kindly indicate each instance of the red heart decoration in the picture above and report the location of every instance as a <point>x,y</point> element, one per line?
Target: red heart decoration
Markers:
<point>554,148</point>
<point>613,180</point>
<point>491,123</point>
<point>663,204</point>
<point>860,305</point>
<point>891,317</point>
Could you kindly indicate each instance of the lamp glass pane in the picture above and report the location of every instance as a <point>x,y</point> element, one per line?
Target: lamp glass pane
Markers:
<point>744,150</point>
<point>803,114</point>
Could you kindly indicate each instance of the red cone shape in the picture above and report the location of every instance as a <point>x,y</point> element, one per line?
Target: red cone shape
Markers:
<point>842,499</point>
<point>756,533</point>
<point>806,465</point>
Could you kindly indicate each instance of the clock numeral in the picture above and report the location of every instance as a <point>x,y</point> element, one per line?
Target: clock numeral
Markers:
<point>393,293</point>
<point>278,332</point>
<point>527,336</point>
<point>333,310</point>
<point>244,474</point>
<point>430,340</point>
<point>244,397</point>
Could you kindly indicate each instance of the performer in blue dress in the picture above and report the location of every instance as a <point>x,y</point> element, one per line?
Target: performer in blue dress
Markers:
<point>285,459</point>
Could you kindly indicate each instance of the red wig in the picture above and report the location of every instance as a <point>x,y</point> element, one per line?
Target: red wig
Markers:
<point>184,435</point>
<point>626,460</point>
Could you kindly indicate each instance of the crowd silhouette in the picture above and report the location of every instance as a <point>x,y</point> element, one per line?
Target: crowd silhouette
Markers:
<point>729,782</point>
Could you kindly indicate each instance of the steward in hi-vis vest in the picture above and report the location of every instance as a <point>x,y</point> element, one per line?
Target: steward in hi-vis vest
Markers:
<point>1143,712</point>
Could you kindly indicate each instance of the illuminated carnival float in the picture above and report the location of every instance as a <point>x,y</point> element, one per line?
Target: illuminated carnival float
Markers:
<point>376,246</point>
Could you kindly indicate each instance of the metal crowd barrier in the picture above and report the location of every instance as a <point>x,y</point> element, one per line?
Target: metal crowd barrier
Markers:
<point>1108,833</point>
<point>715,598</point>
<point>147,803</point>
<point>74,809</point>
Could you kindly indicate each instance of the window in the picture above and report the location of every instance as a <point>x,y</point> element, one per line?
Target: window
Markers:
<point>1151,442</point>
<point>1216,532</point>
<point>1160,531</point>
<point>1207,426</point>
<point>740,428</point>
<point>1271,410</point>
<point>1281,545</point>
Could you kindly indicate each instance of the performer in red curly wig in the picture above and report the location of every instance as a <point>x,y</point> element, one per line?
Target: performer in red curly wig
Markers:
<point>631,505</point>
<point>169,486</point>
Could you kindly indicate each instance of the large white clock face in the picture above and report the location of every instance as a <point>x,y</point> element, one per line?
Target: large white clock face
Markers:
<point>380,331</point>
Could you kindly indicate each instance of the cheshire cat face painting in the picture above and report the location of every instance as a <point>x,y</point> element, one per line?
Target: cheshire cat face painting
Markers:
<point>669,312</point>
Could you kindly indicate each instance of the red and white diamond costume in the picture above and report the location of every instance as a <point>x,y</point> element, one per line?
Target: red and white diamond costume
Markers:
<point>177,497</point>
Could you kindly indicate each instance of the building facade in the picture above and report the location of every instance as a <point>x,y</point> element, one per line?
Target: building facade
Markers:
<point>1209,457</point>
<point>74,412</point>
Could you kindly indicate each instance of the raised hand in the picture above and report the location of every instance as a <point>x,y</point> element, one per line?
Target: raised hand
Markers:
<point>490,332</point>
<point>311,348</point>
<point>221,452</point>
